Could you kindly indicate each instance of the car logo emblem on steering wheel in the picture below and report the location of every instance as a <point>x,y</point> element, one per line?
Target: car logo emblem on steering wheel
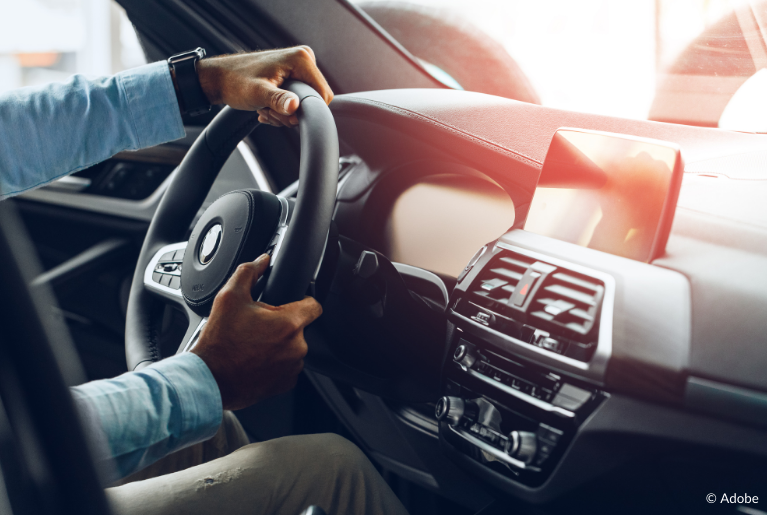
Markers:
<point>210,244</point>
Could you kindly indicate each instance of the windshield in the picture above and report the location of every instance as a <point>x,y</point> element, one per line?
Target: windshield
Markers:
<point>678,61</point>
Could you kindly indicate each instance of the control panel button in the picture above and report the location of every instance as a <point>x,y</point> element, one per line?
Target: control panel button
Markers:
<point>571,397</point>
<point>179,255</point>
<point>464,354</point>
<point>175,282</point>
<point>549,434</point>
<point>524,287</point>
<point>168,256</point>
<point>156,276</point>
<point>524,445</point>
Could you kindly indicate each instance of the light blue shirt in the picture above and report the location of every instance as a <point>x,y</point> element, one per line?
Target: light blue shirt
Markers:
<point>51,131</point>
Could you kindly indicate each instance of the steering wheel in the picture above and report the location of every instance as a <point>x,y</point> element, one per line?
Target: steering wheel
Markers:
<point>236,228</point>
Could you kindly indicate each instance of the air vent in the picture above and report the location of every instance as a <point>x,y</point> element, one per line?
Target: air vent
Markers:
<point>556,308</point>
<point>500,276</point>
<point>569,301</point>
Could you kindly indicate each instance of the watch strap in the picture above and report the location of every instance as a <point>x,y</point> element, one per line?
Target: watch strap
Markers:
<point>193,99</point>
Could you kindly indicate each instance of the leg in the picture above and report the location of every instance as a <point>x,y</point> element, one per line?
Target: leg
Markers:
<point>281,476</point>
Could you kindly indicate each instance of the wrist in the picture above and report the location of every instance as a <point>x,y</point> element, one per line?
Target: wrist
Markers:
<point>209,75</point>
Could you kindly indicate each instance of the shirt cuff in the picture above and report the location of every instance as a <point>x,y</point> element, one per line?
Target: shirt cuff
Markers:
<point>197,392</point>
<point>152,104</point>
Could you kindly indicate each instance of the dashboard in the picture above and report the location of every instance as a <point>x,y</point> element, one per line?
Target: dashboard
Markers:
<point>564,364</point>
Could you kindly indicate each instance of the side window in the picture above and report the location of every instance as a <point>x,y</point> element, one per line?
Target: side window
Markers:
<point>49,40</point>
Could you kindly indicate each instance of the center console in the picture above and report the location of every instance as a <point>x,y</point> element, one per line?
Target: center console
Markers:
<point>529,341</point>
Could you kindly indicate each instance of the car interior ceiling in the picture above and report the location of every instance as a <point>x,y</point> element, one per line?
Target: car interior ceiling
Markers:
<point>656,382</point>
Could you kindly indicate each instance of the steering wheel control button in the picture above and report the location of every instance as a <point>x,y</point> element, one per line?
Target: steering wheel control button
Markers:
<point>179,255</point>
<point>156,276</point>
<point>210,244</point>
<point>168,256</point>
<point>175,282</point>
<point>236,228</point>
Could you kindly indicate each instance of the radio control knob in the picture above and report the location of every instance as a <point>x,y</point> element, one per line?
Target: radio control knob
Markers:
<point>522,445</point>
<point>464,355</point>
<point>453,410</point>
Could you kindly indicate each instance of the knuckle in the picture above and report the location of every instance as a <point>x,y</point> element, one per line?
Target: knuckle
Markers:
<point>304,52</point>
<point>225,296</point>
<point>302,349</point>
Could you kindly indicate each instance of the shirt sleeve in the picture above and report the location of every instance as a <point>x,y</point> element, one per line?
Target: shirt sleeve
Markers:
<point>50,131</point>
<point>139,417</point>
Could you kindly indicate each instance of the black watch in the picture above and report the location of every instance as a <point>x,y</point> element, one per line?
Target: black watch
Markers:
<point>190,94</point>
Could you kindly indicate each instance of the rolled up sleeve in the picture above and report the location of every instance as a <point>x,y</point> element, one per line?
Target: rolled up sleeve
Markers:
<point>50,131</point>
<point>139,417</point>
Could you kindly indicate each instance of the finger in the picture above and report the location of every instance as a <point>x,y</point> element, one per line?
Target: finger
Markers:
<point>287,121</point>
<point>245,276</point>
<point>305,70</point>
<point>303,312</point>
<point>278,100</point>
<point>269,118</point>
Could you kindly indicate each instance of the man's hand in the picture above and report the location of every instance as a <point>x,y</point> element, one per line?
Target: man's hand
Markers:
<point>254,350</point>
<point>252,82</point>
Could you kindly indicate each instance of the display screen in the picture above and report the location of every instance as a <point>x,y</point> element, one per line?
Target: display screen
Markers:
<point>608,192</point>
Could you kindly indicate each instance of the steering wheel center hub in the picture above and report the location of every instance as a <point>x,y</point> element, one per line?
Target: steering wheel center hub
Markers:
<point>236,228</point>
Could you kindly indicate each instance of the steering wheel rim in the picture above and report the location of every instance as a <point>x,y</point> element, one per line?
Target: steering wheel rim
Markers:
<point>300,243</point>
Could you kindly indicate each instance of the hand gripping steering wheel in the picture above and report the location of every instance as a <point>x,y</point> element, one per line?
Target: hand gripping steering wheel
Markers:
<point>236,228</point>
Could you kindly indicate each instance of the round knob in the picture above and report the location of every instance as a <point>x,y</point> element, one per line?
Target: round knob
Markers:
<point>450,409</point>
<point>464,356</point>
<point>523,445</point>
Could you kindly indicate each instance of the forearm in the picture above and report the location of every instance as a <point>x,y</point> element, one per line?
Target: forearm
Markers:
<point>50,131</point>
<point>140,417</point>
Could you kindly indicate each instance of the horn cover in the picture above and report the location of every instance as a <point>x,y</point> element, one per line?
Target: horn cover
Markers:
<point>236,228</point>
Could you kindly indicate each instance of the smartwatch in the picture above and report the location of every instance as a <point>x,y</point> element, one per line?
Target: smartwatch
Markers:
<point>190,94</point>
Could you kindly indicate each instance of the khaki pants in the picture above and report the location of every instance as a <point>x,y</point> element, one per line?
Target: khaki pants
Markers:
<point>281,476</point>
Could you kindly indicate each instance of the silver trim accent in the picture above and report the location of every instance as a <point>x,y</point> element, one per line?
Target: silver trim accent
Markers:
<point>154,287</point>
<point>433,278</point>
<point>594,369</point>
<point>69,183</point>
<point>545,406</point>
<point>496,453</point>
<point>195,336</point>
<point>282,228</point>
<point>258,173</point>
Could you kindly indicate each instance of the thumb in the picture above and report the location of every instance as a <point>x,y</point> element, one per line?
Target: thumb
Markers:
<point>281,101</point>
<point>247,274</point>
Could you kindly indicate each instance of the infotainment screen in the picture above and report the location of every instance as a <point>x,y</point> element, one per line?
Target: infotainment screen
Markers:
<point>608,192</point>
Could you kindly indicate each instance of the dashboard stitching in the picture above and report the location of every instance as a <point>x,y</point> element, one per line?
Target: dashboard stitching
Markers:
<point>484,142</point>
